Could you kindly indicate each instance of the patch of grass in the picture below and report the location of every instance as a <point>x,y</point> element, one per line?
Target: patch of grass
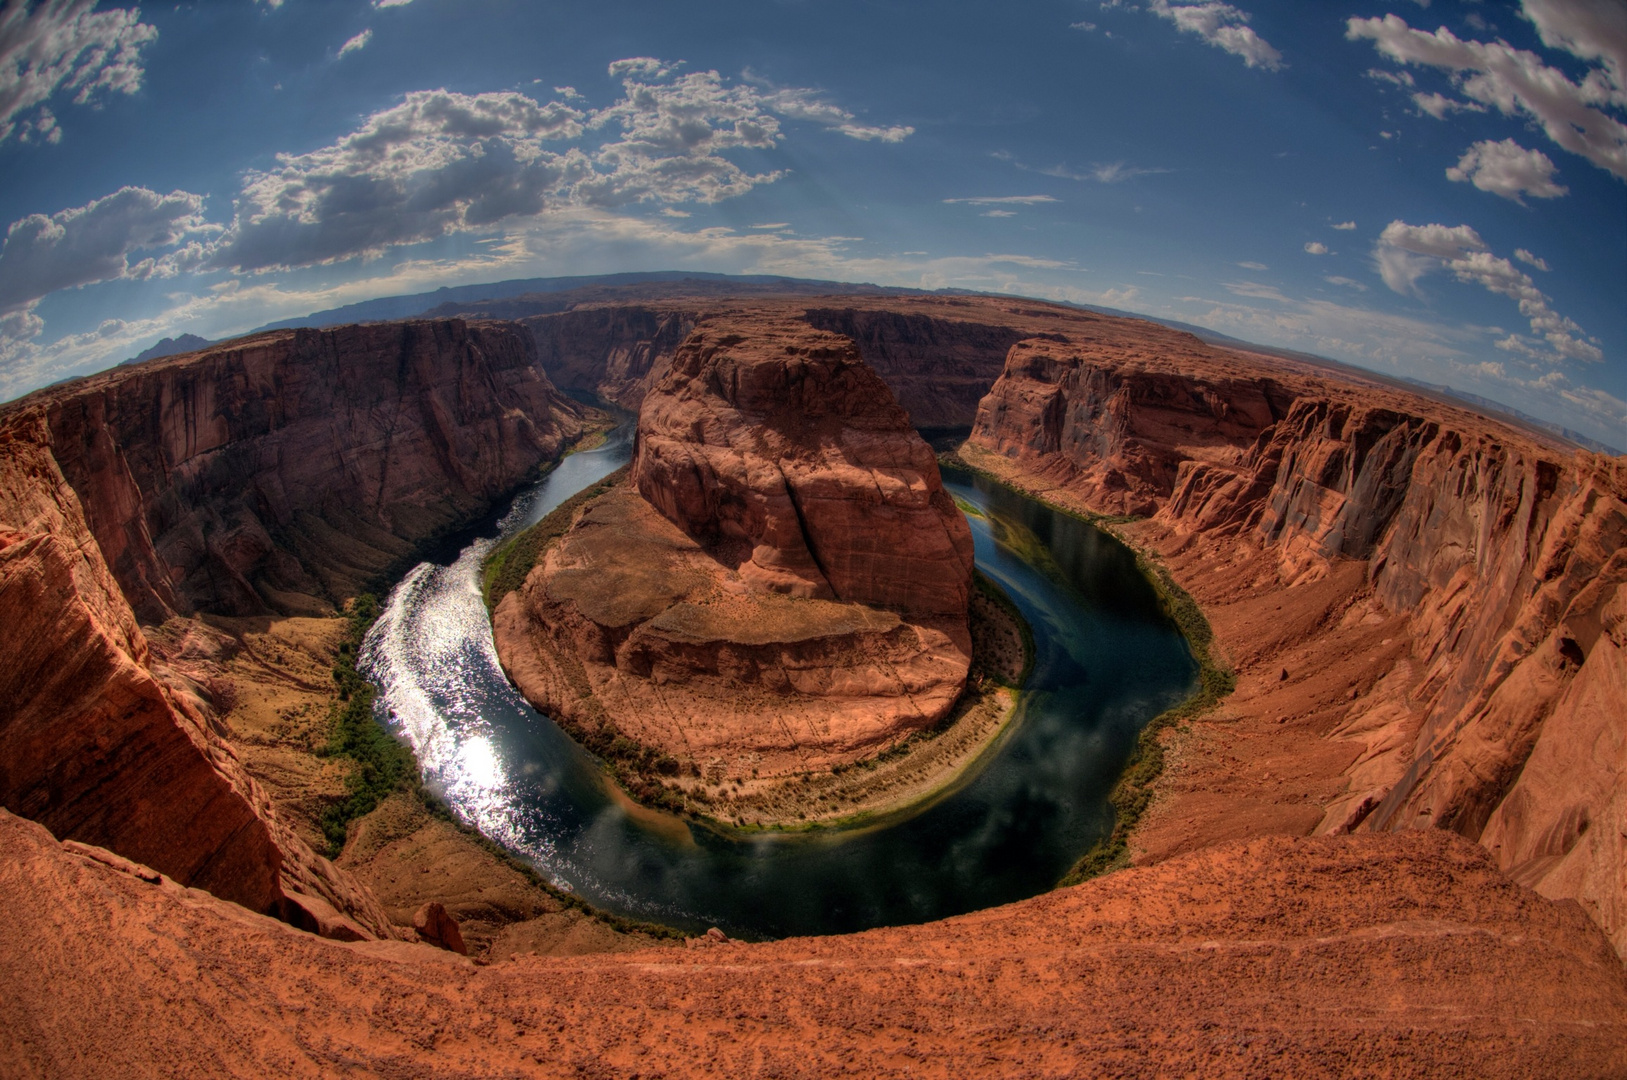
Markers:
<point>382,765</point>
<point>504,570</point>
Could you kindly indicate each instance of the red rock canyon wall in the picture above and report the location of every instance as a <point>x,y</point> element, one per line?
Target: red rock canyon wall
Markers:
<point>276,473</point>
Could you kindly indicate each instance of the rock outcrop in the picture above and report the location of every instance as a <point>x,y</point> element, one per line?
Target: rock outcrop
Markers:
<point>274,473</point>
<point>1407,954</point>
<point>783,586</point>
<point>1504,720</point>
<point>281,472</point>
<point>938,355</point>
<point>779,450</point>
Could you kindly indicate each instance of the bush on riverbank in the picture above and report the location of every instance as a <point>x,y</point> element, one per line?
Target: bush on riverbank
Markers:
<point>381,764</point>
<point>504,570</point>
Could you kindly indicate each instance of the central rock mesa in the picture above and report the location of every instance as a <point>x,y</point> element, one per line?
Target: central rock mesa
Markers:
<point>781,587</point>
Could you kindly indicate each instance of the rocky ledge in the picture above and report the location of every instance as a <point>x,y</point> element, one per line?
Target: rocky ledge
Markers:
<point>780,587</point>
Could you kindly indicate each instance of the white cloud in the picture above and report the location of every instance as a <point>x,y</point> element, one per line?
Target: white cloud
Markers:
<point>1345,226</point>
<point>1316,247</point>
<point>65,46</point>
<point>997,213</point>
<point>803,104</point>
<point>442,162</point>
<point>1406,252</point>
<point>1517,83</point>
<point>1592,30</point>
<point>92,243</point>
<point>1440,106</point>
<point>1336,279</point>
<point>1253,266</point>
<point>390,3</point>
<point>1394,78</point>
<point>1117,172</point>
<point>1507,169</point>
<point>1529,259</point>
<point>999,200</point>
<point>1221,25</point>
<point>1086,26</point>
<point>357,43</point>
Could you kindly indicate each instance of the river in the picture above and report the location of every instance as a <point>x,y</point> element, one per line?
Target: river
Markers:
<point>1107,661</point>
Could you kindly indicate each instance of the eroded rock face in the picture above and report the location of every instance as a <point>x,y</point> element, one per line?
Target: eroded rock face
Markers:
<point>1502,721</point>
<point>281,472</point>
<point>782,586</point>
<point>272,473</point>
<point>777,449</point>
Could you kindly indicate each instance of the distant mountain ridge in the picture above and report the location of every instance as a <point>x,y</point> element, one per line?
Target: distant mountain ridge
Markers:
<point>407,306</point>
<point>171,346</point>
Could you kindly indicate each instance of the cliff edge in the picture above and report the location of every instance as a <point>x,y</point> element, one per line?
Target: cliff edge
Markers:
<point>273,474</point>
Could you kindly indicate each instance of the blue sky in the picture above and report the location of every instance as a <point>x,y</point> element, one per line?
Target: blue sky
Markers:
<point>1432,190</point>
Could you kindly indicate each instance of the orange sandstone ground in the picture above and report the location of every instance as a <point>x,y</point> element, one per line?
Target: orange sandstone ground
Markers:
<point>1406,956</point>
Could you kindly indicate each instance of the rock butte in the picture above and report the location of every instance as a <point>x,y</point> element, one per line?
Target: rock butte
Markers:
<point>782,585</point>
<point>1423,606</point>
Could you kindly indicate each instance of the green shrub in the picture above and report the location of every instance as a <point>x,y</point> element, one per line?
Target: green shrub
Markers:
<point>381,765</point>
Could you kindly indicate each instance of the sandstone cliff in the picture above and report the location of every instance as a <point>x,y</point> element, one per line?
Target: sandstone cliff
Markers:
<point>777,448</point>
<point>1408,955</point>
<point>284,471</point>
<point>278,472</point>
<point>785,584</point>
<point>937,355</point>
<point>1503,718</point>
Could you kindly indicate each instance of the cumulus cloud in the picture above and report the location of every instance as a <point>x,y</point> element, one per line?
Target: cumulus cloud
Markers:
<point>1516,82</point>
<point>93,243</point>
<point>1345,226</point>
<point>1221,25</point>
<point>442,162</point>
<point>439,162</point>
<point>1407,252</point>
<point>1316,247</point>
<point>65,46</point>
<point>357,43</point>
<point>1508,169</point>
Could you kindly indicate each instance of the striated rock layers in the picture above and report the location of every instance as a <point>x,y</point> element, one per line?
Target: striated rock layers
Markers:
<point>938,355</point>
<point>1404,955</point>
<point>273,473</point>
<point>1504,714</point>
<point>783,586</point>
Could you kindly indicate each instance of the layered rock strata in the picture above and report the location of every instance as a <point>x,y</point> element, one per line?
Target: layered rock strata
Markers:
<point>784,584</point>
<point>1499,716</point>
<point>273,473</point>
<point>1400,953</point>
<point>938,355</point>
